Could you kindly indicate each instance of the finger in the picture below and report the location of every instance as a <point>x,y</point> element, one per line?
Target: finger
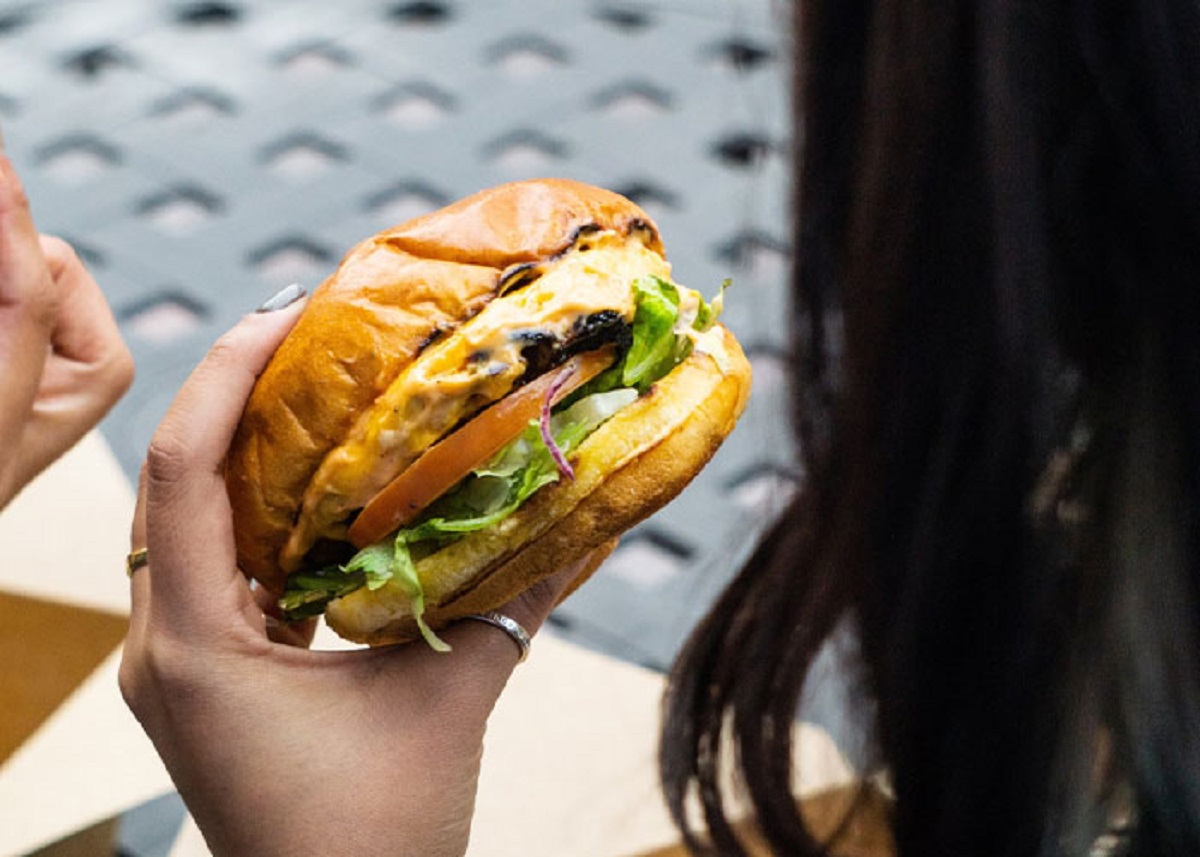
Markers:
<point>297,634</point>
<point>467,682</point>
<point>89,367</point>
<point>490,649</point>
<point>532,607</point>
<point>592,562</point>
<point>133,651</point>
<point>21,261</point>
<point>188,518</point>
<point>139,582</point>
<point>27,306</point>
<point>85,330</point>
<point>289,633</point>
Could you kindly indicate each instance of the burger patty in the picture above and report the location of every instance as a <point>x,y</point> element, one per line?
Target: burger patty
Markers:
<point>581,300</point>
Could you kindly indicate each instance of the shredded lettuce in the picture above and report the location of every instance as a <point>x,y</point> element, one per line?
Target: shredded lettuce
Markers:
<point>309,593</point>
<point>662,320</point>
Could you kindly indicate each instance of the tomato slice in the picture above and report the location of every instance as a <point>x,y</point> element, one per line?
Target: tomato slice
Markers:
<point>444,464</point>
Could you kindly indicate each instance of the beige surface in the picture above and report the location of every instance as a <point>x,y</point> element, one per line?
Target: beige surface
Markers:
<point>99,839</point>
<point>89,760</point>
<point>37,674</point>
<point>570,764</point>
<point>72,526</point>
<point>569,767</point>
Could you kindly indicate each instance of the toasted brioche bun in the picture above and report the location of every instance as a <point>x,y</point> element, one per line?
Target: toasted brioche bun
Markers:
<point>372,325</point>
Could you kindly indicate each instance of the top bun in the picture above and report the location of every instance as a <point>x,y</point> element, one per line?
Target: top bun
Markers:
<point>390,297</point>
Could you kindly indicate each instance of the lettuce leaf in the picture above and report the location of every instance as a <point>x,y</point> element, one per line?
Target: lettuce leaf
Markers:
<point>309,592</point>
<point>391,560</point>
<point>660,338</point>
<point>404,571</point>
<point>654,344</point>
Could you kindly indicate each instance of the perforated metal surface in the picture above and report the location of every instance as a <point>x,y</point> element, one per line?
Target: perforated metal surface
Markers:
<point>202,154</point>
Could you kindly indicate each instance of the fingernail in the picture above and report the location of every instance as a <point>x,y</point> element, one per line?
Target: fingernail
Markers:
<point>283,298</point>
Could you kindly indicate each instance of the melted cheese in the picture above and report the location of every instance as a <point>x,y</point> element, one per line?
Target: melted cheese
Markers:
<point>451,380</point>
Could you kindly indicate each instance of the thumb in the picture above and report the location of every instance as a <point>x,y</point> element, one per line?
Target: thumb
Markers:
<point>189,528</point>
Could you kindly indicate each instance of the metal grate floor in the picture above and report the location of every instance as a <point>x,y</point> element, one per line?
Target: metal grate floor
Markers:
<point>202,154</point>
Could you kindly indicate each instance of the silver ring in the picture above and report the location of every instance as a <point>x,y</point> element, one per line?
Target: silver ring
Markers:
<point>508,625</point>
<point>136,559</point>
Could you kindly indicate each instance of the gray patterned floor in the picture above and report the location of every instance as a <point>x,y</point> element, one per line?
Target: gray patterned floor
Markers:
<point>201,154</point>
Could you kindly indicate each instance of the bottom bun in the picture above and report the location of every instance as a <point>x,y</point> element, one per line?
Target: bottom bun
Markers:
<point>625,471</point>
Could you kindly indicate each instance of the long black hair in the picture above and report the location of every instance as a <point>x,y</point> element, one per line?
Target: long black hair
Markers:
<point>997,394</point>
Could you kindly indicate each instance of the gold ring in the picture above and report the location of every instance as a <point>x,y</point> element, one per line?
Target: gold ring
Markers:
<point>136,560</point>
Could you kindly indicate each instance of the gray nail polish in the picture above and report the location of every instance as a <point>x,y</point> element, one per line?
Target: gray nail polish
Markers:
<point>285,297</point>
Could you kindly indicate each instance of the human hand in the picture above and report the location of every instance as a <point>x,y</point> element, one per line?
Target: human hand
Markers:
<point>62,361</point>
<point>277,749</point>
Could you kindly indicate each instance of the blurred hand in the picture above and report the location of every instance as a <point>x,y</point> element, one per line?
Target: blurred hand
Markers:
<point>62,361</point>
<point>276,749</point>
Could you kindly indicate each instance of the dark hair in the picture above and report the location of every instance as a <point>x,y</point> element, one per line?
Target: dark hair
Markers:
<point>997,395</point>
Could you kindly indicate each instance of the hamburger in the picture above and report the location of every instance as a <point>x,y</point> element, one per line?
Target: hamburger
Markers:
<point>472,401</point>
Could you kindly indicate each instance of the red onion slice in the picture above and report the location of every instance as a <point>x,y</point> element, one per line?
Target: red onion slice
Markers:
<point>560,460</point>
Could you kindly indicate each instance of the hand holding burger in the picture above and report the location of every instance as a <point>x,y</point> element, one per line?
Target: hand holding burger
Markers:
<point>281,750</point>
